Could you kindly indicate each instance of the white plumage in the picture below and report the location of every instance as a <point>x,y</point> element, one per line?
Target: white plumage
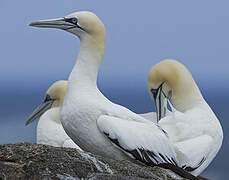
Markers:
<point>51,132</point>
<point>192,126</point>
<point>195,134</point>
<point>49,128</point>
<point>132,135</point>
<point>96,124</point>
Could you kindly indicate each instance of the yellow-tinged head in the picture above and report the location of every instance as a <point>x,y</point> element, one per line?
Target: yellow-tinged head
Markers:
<point>54,98</point>
<point>87,22</point>
<point>57,92</point>
<point>171,79</point>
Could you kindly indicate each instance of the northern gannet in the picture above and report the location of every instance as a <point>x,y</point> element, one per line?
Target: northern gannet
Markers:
<point>49,129</point>
<point>192,126</point>
<point>92,121</point>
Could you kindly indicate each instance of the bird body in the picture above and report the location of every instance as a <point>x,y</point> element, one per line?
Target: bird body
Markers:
<point>96,113</point>
<point>197,133</point>
<point>49,128</point>
<point>192,126</point>
<point>152,116</point>
<point>84,104</point>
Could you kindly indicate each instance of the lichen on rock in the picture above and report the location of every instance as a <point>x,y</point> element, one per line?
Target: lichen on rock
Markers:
<point>35,161</point>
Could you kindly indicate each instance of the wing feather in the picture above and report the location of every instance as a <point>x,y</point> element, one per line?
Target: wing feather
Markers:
<point>145,141</point>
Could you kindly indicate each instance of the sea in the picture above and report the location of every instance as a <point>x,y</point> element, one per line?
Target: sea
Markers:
<point>16,106</point>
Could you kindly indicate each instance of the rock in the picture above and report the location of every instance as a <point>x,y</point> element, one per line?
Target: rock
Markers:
<point>35,162</point>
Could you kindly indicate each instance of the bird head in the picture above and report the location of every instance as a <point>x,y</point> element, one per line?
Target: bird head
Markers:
<point>170,79</point>
<point>54,98</point>
<point>81,24</point>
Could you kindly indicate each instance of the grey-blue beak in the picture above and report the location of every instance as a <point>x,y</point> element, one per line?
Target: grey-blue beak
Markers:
<point>47,104</point>
<point>59,23</point>
<point>160,102</point>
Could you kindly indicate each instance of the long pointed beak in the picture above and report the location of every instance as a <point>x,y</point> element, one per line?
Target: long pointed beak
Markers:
<point>39,111</point>
<point>160,102</point>
<point>58,23</point>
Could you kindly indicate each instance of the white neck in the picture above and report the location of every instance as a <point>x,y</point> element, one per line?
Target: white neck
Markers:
<point>54,114</point>
<point>87,64</point>
<point>187,97</point>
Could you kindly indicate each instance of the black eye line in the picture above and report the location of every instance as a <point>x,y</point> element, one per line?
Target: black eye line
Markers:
<point>69,20</point>
<point>156,90</point>
<point>47,98</point>
<point>76,24</point>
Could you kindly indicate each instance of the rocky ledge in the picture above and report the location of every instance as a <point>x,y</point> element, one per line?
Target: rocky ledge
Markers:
<point>36,162</point>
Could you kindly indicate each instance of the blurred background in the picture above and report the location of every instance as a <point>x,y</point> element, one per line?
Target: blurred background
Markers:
<point>139,35</point>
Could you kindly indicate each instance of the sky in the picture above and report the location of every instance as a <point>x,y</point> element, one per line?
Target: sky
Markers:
<point>139,35</point>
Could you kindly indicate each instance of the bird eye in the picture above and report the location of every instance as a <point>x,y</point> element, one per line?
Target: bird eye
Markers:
<point>74,20</point>
<point>154,91</point>
<point>47,98</point>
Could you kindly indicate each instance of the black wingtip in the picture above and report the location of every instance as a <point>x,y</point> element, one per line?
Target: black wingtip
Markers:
<point>144,157</point>
<point>178,170</point>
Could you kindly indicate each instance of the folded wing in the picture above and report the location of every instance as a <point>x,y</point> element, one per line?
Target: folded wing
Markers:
<point>145,142</point>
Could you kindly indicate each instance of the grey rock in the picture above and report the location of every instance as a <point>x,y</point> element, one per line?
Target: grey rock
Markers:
<point>40,162</point>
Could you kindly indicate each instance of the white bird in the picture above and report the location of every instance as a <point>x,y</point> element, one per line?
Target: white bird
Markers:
<point>95,123</point>
<point>192,127</point>
<point>49,129</point>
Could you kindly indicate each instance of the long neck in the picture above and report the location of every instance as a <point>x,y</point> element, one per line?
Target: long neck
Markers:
<point>186,95</point>
<point>55,113</point>
<point>88,62</point>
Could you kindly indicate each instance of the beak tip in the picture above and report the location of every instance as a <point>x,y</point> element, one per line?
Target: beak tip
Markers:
<point>26,123</point>
<point>32,24</point>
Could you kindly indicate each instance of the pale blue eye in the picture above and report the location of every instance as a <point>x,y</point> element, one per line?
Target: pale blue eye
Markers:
<point>74,20</point>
